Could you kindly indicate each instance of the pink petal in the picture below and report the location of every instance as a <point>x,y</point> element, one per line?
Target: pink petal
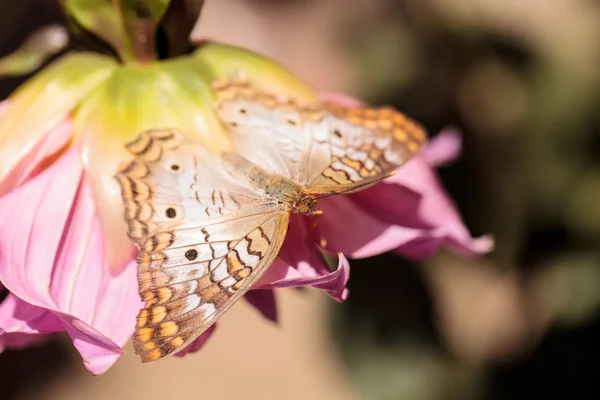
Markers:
<point>300,263</point>
<point>198,343</point>
<point>18,341</point>
<point>17,316</point>
<point>51,257</point>
<point>98,352</point>
<point>388,202</point>
<point>34,217</point>
<point>264,302</point>
<point>364,234</point>
<point>438,210</point>
<point>299,250</point>
<point>444,148</point>
<point>23,325</point>
<point>334,283</point>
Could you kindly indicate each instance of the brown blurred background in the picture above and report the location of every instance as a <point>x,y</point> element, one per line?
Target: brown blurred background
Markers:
<point>521,79</point>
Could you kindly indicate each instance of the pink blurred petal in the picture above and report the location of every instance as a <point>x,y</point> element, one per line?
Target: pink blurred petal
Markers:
<point>23,325</point>
<point>17,316</point>
<point>51,257</point>
<point>17,341</point>
<point>364,234</point>
<point>427,245</point>
<point>444,148</point>
<point>387,202</point>
<point>264,302</point>
<point>198,343</point>
<point>437,208</point>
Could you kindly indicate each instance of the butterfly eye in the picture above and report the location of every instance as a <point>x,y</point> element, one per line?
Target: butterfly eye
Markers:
<point>175,167</point>
<point>171,213</point>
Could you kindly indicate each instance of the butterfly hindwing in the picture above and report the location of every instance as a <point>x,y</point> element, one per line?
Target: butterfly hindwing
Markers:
<point>187,287</point>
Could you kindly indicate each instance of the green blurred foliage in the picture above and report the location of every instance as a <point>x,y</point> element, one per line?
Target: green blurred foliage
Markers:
<point>522,81</point>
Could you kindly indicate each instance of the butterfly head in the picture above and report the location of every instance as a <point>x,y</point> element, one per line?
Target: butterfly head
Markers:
<point>305,204</point>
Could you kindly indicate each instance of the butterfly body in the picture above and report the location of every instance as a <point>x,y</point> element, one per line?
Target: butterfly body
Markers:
<point>208,227</point>
<point>289,194</point>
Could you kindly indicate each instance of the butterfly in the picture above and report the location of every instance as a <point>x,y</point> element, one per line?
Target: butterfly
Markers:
<point>209,226</point>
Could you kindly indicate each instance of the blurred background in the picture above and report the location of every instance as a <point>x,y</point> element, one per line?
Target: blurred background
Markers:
<point>521,79</point>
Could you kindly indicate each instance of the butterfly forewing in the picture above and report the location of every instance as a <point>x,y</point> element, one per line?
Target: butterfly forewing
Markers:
<point>325,147</point>
<point>204,237</point>
<point>187,288</point>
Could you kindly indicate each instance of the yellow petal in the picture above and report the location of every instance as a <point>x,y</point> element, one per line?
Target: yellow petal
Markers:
<point>136,98</point>
<point>46,99</point>
<point>226,61</point>
<point>189,86</point>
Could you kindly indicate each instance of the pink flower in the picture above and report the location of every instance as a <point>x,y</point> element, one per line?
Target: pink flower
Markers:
<point>52,259</point>
<point>65,262</point>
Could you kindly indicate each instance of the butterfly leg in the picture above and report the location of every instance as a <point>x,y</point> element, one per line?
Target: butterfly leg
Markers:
<point>316,229</point>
